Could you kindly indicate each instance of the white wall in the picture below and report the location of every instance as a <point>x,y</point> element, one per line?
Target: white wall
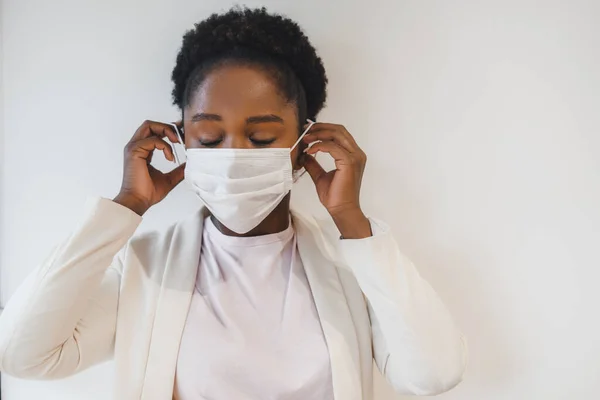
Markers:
<point>480,118</point>
<point>1,140</point>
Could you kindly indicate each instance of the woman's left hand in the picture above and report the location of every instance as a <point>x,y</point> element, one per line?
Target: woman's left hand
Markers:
<point>339,189</point>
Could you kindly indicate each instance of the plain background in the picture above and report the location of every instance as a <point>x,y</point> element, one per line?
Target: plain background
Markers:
<point>480,118</point>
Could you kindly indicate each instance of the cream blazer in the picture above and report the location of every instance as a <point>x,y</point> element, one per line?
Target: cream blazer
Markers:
<point>102,294</point>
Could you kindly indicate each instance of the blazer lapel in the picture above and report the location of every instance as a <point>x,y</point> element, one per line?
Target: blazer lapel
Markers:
<point>172,307</point>
<point>336,321</point>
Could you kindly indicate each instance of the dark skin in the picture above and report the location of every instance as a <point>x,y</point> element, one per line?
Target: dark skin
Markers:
<point>241,107</point>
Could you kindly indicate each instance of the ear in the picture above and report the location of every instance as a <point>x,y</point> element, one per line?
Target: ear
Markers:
<point>181,132</point>
<point>298,164</point>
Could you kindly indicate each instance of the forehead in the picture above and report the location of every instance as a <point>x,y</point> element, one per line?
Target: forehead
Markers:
<point>239,91</point>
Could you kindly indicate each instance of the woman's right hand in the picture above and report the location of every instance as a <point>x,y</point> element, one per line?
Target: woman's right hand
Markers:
<point>143,185</point>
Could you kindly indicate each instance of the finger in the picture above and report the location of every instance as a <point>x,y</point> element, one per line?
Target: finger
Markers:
<point>154,128</point>
<point>335,151</point>
<point>340,129</point>
<point>335,136</point>
<point>149,158</point>
<point>176,176</point>
<point>144,148</point>
<point>312,166</point>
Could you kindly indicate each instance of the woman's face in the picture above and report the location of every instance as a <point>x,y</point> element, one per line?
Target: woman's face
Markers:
<point>240,107</point>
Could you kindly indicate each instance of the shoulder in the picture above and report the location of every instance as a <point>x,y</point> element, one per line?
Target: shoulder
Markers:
<point>154,241</point>
<point>315,224</point>
<point>153,248</point>
<point>317,233</point>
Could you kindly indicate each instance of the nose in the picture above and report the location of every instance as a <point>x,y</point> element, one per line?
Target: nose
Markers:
<point>236,140</point>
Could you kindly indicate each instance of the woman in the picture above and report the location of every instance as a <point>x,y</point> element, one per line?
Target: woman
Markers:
<point>244,300</point>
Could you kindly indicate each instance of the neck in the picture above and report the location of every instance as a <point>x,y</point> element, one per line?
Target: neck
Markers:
<point>277,221</point>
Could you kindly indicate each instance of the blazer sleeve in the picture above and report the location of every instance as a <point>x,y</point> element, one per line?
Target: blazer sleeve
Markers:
<point>62,318</point>
<point>416,344</point>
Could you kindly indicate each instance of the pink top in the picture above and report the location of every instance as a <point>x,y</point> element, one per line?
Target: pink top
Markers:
<point>252,330</point>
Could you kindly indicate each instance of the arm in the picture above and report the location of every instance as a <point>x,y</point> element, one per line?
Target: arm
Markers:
<point>416,344</point>
<point>62,319</point>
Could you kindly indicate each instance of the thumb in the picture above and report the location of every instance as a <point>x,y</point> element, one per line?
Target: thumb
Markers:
<point>176,176</point>
<point>313,167</point>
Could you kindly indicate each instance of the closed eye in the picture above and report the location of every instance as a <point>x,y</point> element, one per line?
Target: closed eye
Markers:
<point>211,143</point>
<point>266,142</point>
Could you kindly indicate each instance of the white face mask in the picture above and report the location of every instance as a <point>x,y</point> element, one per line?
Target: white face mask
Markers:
<point>241,187</point>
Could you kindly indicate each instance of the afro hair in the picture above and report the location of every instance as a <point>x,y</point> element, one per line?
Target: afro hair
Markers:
<point>252,36</point>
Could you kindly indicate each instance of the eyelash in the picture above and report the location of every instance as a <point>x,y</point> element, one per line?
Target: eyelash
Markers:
<point>211,144</point>
<point>260,143</point>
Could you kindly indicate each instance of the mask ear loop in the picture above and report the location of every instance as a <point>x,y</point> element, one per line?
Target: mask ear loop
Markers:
<point>300,173</point>
<point>178,131</point>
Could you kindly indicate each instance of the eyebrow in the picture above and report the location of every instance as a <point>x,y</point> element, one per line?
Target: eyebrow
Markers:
<point>206,117</point>
<point>255,119</point>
